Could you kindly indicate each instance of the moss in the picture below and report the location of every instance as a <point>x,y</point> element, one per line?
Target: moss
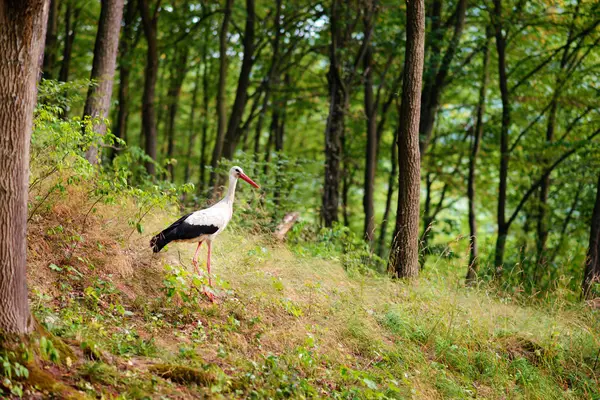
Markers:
<point>93,352</point>
<point>183,374</point>
<point>63,349</point>
<point>46,382</point>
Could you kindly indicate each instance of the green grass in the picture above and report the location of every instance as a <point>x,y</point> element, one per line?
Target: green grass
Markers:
<point>292,323</point>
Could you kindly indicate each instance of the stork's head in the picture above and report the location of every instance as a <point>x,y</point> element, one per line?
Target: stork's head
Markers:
<point>237,172</point>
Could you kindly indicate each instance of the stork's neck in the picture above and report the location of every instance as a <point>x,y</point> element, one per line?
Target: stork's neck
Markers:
<point>231,190</point>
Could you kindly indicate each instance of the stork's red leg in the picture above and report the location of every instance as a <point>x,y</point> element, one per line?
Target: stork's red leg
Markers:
<point>208,266</point>
<point>195,256</point>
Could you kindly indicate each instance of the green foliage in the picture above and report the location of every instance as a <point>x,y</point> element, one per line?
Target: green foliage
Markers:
<point>12,373</point>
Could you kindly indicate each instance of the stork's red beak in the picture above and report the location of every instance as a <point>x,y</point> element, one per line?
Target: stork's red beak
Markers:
<point>250,181</point>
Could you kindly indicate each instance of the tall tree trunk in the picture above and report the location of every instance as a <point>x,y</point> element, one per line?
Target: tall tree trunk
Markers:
<point>438,74</point>
<point>103,69</point>
<point>334,131</point>
<point>390,194</point>
<point>268,84</point>
<point>404,252</point>
<point>192,130</point>
<point>51,40</point>
<point>178,73</point>
<point>221,101</point>
<point>504,150</point>
<point>371,156</point>
<point>149,22</point>
<point>71,21</point>
<point>542,223</point>
<point>204,144</point>
<point>22,33</point>
<point>232,136</point>
<point>477,135</point>
<point>126,47</point>
<point>592,262</point>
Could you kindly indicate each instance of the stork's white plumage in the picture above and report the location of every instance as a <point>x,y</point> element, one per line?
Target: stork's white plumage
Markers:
<point>203,225</point>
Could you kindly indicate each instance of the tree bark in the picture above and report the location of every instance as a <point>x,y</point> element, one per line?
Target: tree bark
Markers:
<point>232,136</point>
<point>50,47</point>
<point>504,131</point>
<point>477,136</point>
<point>22,34</point>
<point>221,91</point>
<point>592,262</point>
<point>103,69</point>
<point>126,47</point>
<point>404,252</point>
<point>178,73</point>
<point>371,151</point>
<point>149,23</point>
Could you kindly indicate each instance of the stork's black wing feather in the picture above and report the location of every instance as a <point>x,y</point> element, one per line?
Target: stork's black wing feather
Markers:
<point>180,230</point>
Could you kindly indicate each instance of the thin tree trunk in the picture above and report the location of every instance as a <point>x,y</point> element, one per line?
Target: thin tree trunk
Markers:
<point>178,73</point>
<point>204,145</point>
<point>126,46</point>
<point>404,252</point>
<point>221,101</point>
<point>592,262</point>
<point>192,130</point>
<point>71,21</point>
<point>437,75</point>
<point>103,69</point>
<point>22,33</point>
<point>371,151</point>
<point>149,23</point>
<point>542,223</point>
<point>390,194</point>
<point>477,135</point>
<point>232,136</point>
<point>504,131</point>
<point>273,68</point>
<point>50,47</point>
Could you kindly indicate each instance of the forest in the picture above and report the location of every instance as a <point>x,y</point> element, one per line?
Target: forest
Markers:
<point>424,222</point>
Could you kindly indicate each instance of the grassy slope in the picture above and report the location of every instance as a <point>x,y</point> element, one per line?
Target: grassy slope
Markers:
<point>285,325</point>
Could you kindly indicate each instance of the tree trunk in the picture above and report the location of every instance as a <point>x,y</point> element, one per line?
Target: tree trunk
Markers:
<point>192,130</point>
<point>221,101</point>
<point>232,136</point>
<point>333,150</point>
<point>390,193</point>
<point>71,22</point>
<point>542,223</point>
<point>404,252</point>
<point>51,40</point>
<point>126,47</point>
<point>371,156</point>
<point>477,135</point>
<point>504,150</point>
<point>22,33</point>
<point>149,23</point>
<point>438,74</point>
<point>204,144</point>
<point>178,73</point>
<point>103,69</point>
<point>273,71</point>
<point>592,262</point>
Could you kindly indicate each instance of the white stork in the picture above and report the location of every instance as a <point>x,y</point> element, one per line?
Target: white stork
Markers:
<point>203,225</point>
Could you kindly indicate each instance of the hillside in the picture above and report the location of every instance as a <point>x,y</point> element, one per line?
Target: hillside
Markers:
<point>284,324</point>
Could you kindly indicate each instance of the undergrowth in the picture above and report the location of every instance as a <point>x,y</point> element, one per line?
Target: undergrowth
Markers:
<point>313,318</point>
